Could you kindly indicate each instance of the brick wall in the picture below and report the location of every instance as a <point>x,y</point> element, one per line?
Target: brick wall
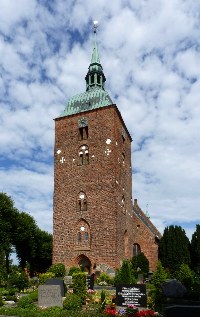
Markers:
<point>108,225</point>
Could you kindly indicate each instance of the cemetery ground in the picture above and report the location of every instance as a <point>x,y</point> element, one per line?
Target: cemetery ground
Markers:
<point>60,294</point>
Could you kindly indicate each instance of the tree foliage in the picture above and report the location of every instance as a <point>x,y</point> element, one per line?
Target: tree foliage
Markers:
<point>141,262</point>
<point>125,274</point>
<point>18,229</point>
<point>159,276</point>
<point>7,221</point>
<point>185,275</point>
<point>58,269</point>
<point>195,250</point>
<point>174,248</point>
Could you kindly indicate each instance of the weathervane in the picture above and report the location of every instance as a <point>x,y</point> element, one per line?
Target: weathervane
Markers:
<point>95,26</point>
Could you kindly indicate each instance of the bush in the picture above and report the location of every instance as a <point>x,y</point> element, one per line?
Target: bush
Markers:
<point>125,275</point>
<point>103,277</point>
<point>159,276</point>
<point>34,295</point>
<point>58,269</point>
<point>18,279</point>
<point>72,302</point>
<point>74,269</point>
<point>140,261</point>
<point>25,302</point>
<point>45,276</point>
<point>185,276</point>
<point>79,285</point>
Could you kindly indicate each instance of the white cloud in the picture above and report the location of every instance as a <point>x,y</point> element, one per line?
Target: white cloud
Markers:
<point>149,51</point>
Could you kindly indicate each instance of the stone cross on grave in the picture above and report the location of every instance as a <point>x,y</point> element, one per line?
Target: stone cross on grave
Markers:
<point>62,160</point>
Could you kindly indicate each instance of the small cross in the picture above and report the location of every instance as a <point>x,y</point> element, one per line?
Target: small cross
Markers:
<point>62,160</point>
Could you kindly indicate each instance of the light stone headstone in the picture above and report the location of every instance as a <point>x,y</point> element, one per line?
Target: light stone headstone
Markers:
<point>49,295</point>
<point>68,280</point>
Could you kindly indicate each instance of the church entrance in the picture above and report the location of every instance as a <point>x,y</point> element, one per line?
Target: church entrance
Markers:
<point>84,263</point>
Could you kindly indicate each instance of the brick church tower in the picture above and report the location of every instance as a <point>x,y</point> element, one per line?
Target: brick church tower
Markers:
<point>95,222</point>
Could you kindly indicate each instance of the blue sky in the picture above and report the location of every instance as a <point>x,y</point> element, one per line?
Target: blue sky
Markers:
<point>150,52</point>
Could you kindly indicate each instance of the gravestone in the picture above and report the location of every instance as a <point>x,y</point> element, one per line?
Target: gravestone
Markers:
<point>131,294</point>
<point>56,281</point>
<point>182,311</point>
<point>68,280</point>
<point>174,289</point>
<point>49,295</point>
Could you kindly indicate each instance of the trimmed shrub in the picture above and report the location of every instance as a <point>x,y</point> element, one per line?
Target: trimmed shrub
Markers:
<point>25,302</point>
<point>72,302</point>
<point>79,285</point>
<point>45,276</point>
<point>58,269</point>
<point>104,277</point>
<point>34,295</point>
<point>74,269</point>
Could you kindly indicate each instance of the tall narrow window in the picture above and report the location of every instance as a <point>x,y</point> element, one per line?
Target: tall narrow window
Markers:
<point>79,237</point>
<point>123,205</point>
<point>136,249</point>
<point>82,202</point>
<point>83,133</point>
<point>84,155</point>
<point>123,158</point>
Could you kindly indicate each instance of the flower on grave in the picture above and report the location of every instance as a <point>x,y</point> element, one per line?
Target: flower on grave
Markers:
<point>103,283</point>
<point>146,313</point>
<point>131,310</point>
<point>109,312</point>
<point>121,312</point>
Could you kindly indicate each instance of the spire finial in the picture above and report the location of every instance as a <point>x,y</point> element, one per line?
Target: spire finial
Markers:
<point>95,26</point>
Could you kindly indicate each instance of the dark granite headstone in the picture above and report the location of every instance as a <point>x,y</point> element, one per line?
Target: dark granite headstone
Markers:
<point>56,281</point>
<point>182,311</point>
<point>173,289</point>
<point>49,295</point>
<point>131,294</point>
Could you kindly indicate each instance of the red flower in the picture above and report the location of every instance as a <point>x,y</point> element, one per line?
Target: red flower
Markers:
<point>145,313</point>
<point>109,312</point>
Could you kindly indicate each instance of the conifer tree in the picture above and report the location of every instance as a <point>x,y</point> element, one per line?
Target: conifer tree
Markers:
<point>174,248</point>
<point>195,250</point>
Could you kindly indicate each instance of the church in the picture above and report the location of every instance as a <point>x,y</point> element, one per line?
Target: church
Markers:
<point>96,224</point>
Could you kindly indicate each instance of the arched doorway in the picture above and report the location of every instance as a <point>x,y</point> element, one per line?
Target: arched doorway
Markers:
<point>84,262</point>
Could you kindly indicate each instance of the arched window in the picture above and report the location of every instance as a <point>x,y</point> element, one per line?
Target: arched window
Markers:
<point>83,155</point>
<point>82,235</point>
<point>82,202</point>
<point>136,249</point>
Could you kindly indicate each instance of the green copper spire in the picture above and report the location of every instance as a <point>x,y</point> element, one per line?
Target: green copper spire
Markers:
<point>95,95</point>
<point>95,54</point>
<point>95,76</point>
